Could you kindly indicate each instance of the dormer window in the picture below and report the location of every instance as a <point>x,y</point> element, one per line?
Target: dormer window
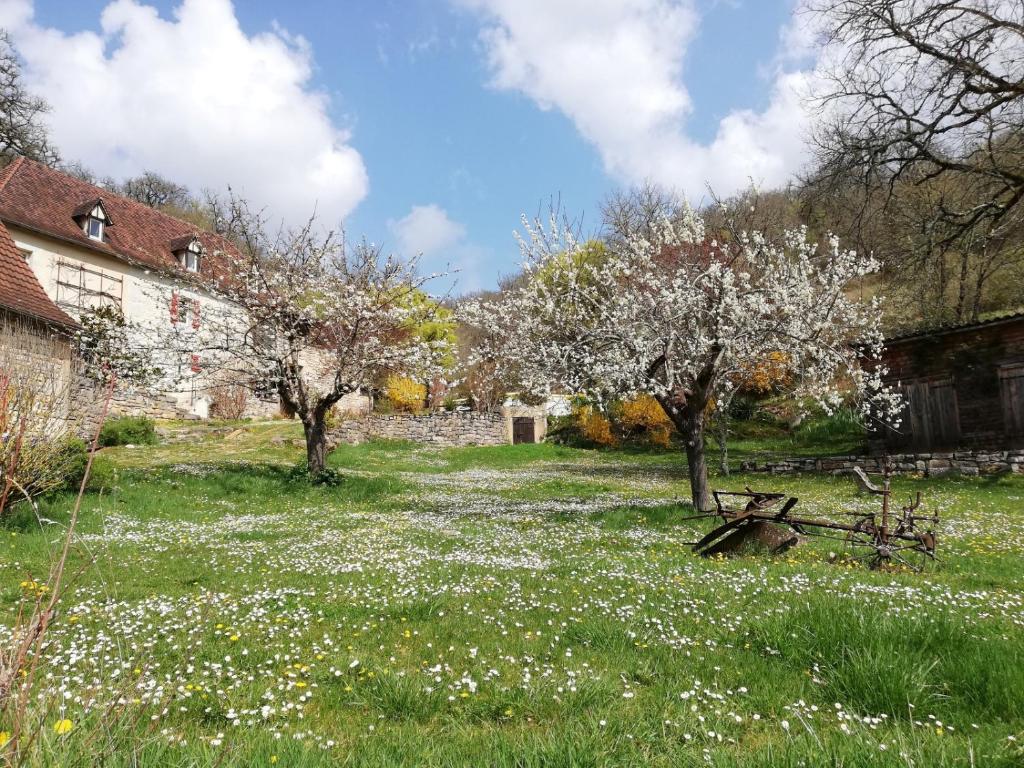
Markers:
<point>94,228</point>
<point>93,219</point>
<point>188,251</point>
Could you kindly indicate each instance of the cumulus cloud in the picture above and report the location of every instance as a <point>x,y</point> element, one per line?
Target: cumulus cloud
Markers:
<point>426,230</point>
<point>194,98</point>
<point>616,69</point>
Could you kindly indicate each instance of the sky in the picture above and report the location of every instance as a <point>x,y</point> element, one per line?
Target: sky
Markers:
<point>427,126</point>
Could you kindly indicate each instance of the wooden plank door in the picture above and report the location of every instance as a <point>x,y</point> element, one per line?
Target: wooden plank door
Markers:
<point>1011,390</point>
<point>943,414</point>
<point>523,430</point>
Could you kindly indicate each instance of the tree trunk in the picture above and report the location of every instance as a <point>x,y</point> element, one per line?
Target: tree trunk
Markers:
<point>315,430</point>
<point>688,416</point>
<point>696,461</point>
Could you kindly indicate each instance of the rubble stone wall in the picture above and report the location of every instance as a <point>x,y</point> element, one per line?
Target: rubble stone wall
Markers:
<point>968,462</point>
<point>441,428</point>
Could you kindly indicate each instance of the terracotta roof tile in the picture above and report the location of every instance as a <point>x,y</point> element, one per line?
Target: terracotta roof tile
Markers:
<point>20,291</point>
<point>36,197</point>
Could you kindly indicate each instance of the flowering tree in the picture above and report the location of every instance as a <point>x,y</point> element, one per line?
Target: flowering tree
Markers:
<point>305,317</point>
<point>672,313</point>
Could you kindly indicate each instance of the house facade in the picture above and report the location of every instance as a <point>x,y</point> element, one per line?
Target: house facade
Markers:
<point>964,387</point>
<point>88,248</point>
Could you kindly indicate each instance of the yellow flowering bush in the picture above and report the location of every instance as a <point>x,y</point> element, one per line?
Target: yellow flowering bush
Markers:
<point>405,395</point>
<point>766,375</point>
<point>644,417</point>
<point>594,426</point>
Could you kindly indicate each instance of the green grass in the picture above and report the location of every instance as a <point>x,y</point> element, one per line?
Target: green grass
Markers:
<point>519,606</point>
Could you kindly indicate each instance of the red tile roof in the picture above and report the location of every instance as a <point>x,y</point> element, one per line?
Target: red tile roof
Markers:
<point>36,197</point>
<point>20,291</point>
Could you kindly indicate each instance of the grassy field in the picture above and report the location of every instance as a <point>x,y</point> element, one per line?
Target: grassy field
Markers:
<point>514,606</point>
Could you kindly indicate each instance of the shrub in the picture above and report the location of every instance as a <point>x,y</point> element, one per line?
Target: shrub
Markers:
<point>38,453</point>
<point>73,456</point>
<point>594,427</point>
<point>404,394</point>
<point>843,425</point>
<point>128,430</point>
<point>644,418</point>
<point>229,400</point>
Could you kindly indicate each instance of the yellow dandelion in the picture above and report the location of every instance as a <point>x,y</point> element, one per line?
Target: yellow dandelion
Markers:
<point>4,738</point>
<point>63,726</point>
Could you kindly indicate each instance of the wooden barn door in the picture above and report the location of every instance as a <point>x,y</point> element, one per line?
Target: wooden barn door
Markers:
<point>931,419</point>
<point>1011,385</point>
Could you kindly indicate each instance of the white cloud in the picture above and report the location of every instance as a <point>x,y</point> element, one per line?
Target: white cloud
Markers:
<point>616,67</point>
<point>196,99</point>
<point>426,230</point>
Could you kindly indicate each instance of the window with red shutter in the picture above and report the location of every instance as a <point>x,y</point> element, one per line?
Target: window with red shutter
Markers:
<point>195,314</point>
<point>195,364</point>
<point>174,307</point>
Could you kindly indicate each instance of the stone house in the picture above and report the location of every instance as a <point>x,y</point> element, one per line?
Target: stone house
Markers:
<point>964,387</point>
<point>89,248</point>
<point>36,336</point>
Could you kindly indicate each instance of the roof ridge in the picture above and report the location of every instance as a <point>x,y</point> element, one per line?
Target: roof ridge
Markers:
<point>10,170</point>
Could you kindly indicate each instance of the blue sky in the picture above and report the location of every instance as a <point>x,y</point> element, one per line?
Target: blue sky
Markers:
<point>427,100</point>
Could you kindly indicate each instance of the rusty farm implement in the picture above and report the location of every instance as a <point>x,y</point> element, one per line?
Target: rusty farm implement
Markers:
<point>886,536</point>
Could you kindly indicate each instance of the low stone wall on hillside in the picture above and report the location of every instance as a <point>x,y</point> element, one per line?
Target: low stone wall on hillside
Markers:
<point>973,462</point>
<point>441,428</point>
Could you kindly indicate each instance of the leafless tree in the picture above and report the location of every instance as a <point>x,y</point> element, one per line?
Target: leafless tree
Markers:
<point>22,131</point>
<point>923,142</point>
<point>929,88</point>
<point>154,190</point>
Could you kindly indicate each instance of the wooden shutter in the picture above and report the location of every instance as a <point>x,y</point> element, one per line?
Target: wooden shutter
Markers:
<point>1011,386</point>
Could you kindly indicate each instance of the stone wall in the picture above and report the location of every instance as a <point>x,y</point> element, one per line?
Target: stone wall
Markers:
<point>441,428</point>
<point>928,464</point>
<point>37,363</point>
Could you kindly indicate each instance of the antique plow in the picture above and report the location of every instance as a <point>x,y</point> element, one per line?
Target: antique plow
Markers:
<point>876,538</point>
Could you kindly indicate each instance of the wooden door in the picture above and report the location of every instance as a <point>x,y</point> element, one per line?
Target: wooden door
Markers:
<point>1011,391</point>
<point>523,430</point>
<point>931,419</point>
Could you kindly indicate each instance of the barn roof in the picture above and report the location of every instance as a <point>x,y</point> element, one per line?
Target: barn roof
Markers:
<point>1000,318</point>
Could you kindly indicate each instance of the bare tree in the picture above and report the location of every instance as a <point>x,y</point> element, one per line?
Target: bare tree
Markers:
<point>154,190</point>
<point>928,88</point>
<point>22,131</point>
<point>921,151</point>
